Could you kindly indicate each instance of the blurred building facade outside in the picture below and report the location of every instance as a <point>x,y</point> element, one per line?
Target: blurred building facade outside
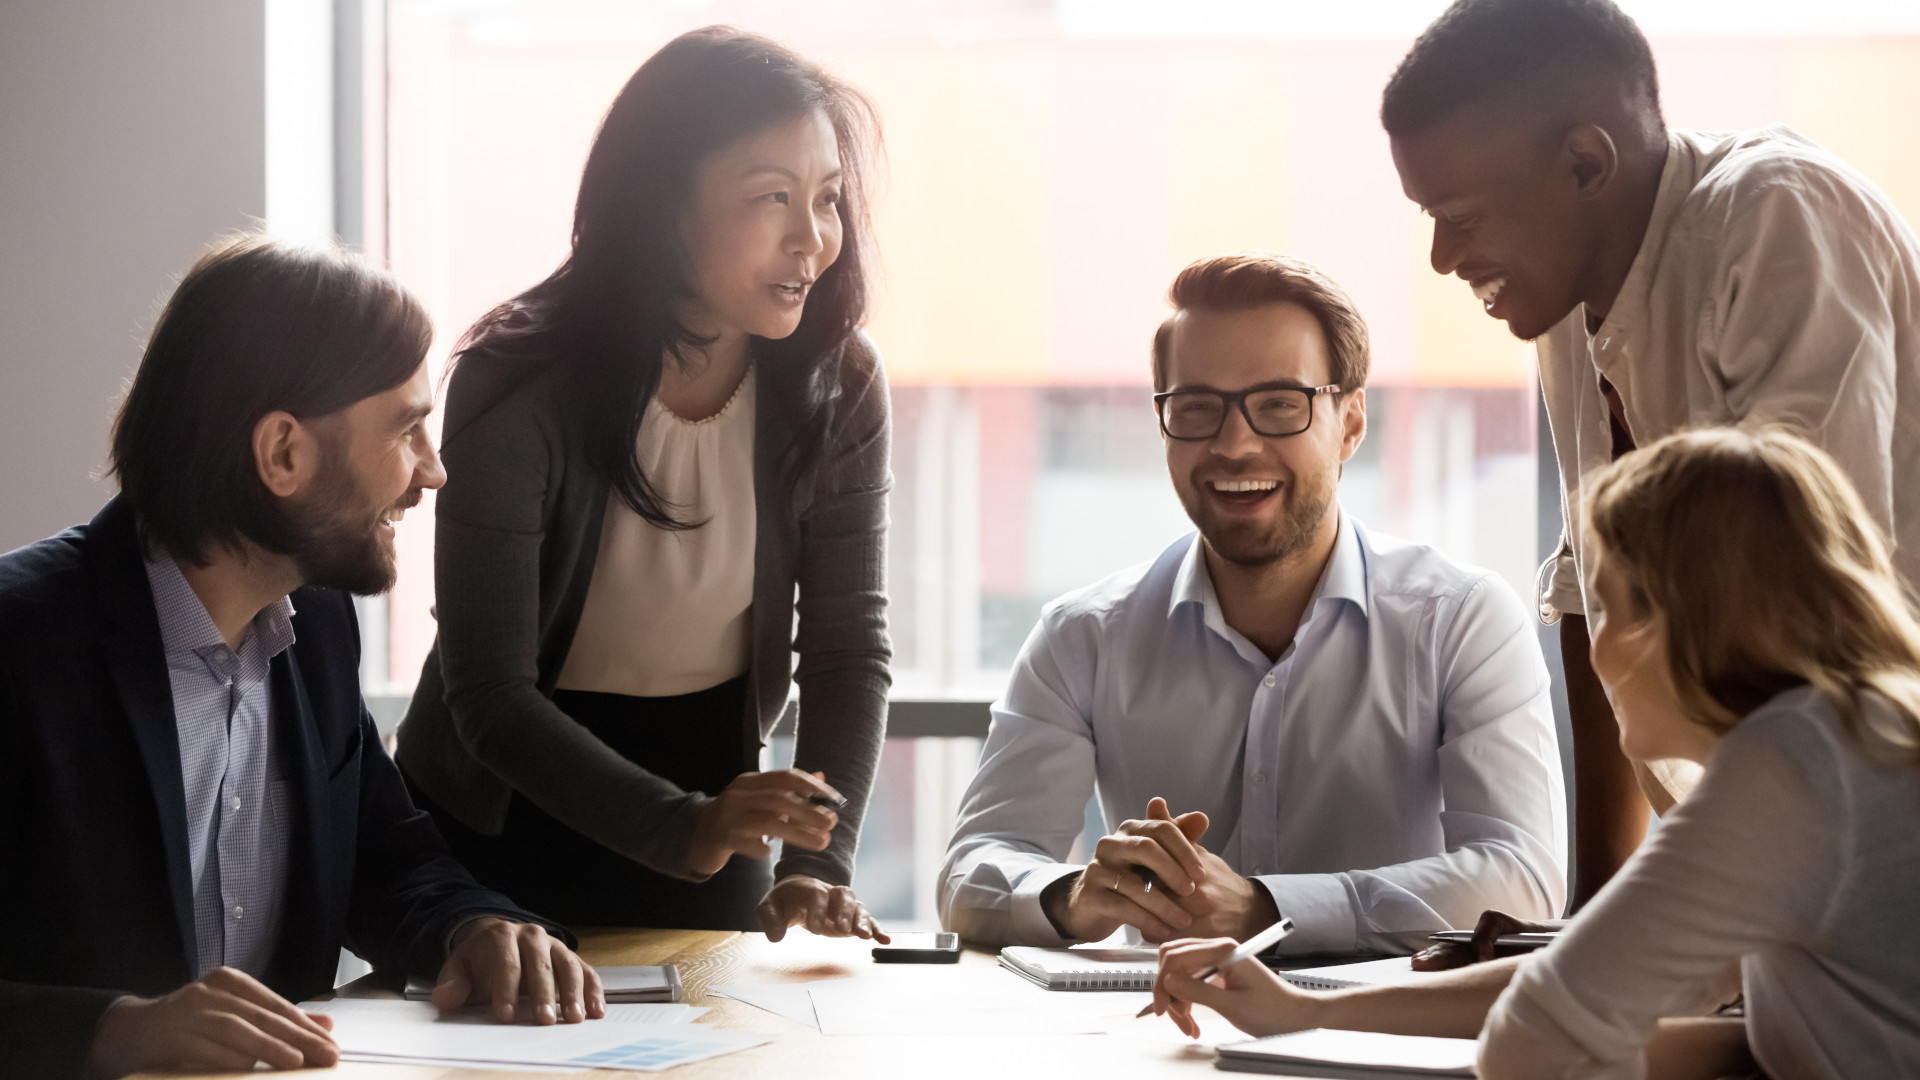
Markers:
<point>1050,165</point>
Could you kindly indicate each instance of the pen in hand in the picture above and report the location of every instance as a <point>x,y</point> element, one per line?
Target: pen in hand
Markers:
<point>833,801</point>
<point>1253,946</point>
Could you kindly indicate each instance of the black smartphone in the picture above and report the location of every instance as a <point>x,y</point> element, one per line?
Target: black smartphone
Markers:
<point>940,948</point>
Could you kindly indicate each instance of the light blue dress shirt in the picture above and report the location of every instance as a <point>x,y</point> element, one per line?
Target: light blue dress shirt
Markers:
<point>237,804</point>
<point>1395,772</point>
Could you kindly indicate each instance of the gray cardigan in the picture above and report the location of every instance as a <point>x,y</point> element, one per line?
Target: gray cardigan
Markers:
<point>517,531</point>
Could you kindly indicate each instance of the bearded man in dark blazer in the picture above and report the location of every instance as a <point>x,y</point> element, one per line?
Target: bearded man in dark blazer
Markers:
<point>196,810</point>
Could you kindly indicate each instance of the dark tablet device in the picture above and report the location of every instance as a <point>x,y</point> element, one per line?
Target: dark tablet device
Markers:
<point>919,949</point>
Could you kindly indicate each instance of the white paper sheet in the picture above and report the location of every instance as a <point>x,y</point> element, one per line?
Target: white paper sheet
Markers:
<point>607,1046</point>
<point>449,1063</point>
<point>1006,1005</point>
<point>1361,1052</point>
<point>782,999</point>
<point>672,1046</point>
<point>646,1037</point>
<point>387,1010</point>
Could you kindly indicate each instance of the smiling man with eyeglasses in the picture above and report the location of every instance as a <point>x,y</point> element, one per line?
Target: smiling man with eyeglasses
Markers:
<point>1284,713</point>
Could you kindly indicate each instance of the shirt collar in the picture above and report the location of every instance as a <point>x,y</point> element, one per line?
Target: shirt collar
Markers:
<point>1345,578</point>
<point>1346,574</point>
<point>187,629</point>
<point>1627,316</point>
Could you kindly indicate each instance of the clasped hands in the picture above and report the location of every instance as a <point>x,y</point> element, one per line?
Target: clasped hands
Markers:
<point>228,1020</point>
<point>758,808</point>
<point>1153,874</point>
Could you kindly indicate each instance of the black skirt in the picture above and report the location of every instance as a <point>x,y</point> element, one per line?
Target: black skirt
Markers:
<point>693,740</point>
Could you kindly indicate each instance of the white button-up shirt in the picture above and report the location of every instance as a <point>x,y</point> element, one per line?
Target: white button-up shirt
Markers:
<point>1775,285</point>
<point>1394,773</point>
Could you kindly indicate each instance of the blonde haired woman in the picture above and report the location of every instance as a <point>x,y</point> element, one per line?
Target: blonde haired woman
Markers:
<point>1751,622</point>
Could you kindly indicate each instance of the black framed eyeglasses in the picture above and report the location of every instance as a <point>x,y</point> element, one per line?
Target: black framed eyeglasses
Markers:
<point>1272,411</point>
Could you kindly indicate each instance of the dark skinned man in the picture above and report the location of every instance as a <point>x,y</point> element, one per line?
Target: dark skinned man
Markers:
<point>1671,279</point>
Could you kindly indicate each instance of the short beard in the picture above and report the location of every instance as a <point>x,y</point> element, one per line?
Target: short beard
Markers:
<point>1290,535</point>
<point>339,545</point>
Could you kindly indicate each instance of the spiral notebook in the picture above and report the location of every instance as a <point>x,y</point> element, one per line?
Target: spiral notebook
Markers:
<point>1393,969</point>
<point>1083,969</point>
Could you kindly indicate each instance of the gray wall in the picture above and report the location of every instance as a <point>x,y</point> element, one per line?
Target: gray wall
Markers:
<point>131,133</point>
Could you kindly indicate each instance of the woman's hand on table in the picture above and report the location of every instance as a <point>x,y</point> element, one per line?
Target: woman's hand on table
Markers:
<point>1252,998</point>
<point>757,809</point>
<point>826,910</point>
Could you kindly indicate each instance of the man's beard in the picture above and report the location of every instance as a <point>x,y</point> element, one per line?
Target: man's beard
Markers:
<point>339,530</point>
<point>1254,545</point>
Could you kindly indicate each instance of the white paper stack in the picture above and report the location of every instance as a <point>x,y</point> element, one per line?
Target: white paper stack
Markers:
<point>1352,1055</point>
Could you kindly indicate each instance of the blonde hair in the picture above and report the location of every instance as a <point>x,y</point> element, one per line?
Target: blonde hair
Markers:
<point>1762,562</point>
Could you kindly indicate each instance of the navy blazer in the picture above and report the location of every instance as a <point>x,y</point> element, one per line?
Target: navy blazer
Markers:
<point>95,892</point>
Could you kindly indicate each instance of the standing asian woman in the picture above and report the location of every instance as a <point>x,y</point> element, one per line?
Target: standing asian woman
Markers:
<point>656,458</point>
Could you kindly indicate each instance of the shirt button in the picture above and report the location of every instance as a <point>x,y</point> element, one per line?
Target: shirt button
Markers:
<point>1259,778</point>
<point>1268,681</point>
<point>233,803</point>
<point>238,911</point>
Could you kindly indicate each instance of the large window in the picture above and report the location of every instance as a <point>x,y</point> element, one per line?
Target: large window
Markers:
<point>1051,164</point>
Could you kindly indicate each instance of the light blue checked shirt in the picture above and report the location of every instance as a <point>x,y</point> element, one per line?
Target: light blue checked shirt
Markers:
<point>237,805</point>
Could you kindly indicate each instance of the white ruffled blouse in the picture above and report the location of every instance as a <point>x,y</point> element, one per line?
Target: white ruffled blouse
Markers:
<point>670,612</point>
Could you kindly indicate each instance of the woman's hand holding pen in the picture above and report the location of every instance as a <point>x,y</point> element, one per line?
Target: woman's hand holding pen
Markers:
<point>795,808</point>
<point>758,808</point>
<point>1252,998</point>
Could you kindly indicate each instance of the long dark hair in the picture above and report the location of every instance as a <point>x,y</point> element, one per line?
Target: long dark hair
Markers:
<point>255,327</point>
<point>609,312</point>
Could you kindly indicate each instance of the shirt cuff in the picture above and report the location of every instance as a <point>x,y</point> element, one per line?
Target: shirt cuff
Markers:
<point>1559,586</point>
<point>1321,909</point>
<point>1030,923</point>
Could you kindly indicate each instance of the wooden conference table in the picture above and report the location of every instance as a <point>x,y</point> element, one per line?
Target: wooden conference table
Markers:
<point>1151,1047</point>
